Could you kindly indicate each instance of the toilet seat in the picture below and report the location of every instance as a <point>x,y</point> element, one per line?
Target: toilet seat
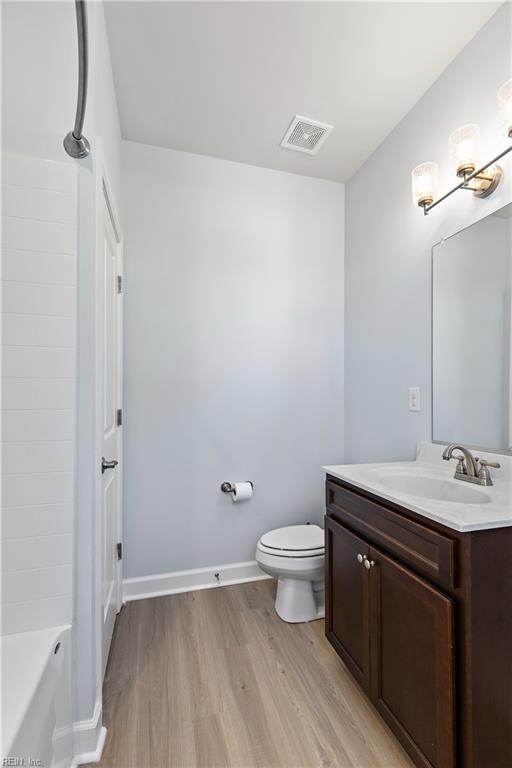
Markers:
<point>293,541</point>
<point>290,554</point>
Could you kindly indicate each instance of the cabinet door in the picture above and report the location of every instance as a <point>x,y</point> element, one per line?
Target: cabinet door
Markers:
<point>412,661</point>
<point>347,599</point>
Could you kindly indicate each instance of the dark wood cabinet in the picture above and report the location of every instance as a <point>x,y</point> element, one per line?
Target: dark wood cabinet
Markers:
<point>347,596</point>
<point>422,617</point>
<point>412,660</point>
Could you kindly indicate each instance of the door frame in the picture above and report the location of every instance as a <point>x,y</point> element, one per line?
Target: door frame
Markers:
<point>105,199</point>
<point>108,199</point>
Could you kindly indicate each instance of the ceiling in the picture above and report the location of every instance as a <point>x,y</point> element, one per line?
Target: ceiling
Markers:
<point>225,78</point>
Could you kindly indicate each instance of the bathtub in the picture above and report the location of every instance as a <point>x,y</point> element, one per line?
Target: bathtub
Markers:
<point>36,699</point>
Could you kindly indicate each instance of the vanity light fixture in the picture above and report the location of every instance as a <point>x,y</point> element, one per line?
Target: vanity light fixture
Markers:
<point>482,180</point>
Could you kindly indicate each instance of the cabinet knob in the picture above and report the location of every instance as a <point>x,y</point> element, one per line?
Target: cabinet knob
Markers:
<point>368,563</point>
<point>360,558</point>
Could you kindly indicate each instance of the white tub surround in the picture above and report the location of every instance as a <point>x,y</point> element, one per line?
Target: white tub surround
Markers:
<point>463,506</point>
<point>39,246</point>
<point>39,262</point>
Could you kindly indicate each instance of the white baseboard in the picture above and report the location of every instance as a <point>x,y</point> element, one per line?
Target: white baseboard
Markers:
<point>188,581</point>
<point>89,738</point>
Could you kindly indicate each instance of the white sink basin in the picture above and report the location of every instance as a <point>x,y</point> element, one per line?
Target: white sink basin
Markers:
<point>428,487</point>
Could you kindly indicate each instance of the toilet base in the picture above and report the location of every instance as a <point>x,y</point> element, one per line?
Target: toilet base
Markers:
<point>299,600</point>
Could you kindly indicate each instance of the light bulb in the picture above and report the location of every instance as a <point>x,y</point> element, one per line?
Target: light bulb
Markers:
<point>505,103</point>
<point>424,184</point>
<point>465,149</point>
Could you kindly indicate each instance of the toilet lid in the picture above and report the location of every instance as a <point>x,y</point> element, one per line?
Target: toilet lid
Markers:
<point>294,538</point>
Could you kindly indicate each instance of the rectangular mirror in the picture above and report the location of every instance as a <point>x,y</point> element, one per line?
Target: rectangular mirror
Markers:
<point>472,334</point>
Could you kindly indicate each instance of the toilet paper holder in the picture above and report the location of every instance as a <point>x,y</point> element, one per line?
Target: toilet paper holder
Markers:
<point>229,488</point>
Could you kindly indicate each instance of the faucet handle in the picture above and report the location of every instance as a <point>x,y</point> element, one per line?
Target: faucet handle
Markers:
<point>493,464</point>
<point>461,466</point>
<point>484,474</point>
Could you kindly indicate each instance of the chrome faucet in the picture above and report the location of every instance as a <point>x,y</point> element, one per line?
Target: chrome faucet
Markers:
<point>470,468</point>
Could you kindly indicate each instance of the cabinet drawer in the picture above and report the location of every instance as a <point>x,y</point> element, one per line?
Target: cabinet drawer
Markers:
<point>429,552</point>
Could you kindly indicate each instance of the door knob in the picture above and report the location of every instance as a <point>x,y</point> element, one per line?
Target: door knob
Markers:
<point>107,464</point>
<point>368,563</point>
<point>360,558</point>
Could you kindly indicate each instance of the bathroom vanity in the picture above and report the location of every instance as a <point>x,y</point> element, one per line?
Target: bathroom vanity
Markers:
<point>419,604</point>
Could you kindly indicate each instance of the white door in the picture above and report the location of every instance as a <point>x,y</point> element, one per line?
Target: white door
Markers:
<point>110,404</point>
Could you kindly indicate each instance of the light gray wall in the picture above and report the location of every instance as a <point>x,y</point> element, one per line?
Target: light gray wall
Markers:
<point>39,88</point>
<point>233,353</point>
<point>388,248</point>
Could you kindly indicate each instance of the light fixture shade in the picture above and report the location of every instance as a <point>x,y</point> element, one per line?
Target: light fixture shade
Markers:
<point>465,149</point>
<point>505,103</point>
<point>425,182</point>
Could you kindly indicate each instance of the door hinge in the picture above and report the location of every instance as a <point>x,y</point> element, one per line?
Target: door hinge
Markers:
<point>119,283</point>
<point>119,550</point>
<point>119,417</point>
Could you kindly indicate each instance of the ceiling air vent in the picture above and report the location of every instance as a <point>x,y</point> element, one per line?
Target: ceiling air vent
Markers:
<point>305,135</point>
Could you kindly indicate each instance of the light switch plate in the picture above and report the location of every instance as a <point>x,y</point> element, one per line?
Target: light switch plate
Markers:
<point>414,399</point>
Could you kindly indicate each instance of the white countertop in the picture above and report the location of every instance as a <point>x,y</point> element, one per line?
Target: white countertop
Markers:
<point>467,516</point>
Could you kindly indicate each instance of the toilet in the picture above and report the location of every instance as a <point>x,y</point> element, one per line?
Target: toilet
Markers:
<point>295,557</point>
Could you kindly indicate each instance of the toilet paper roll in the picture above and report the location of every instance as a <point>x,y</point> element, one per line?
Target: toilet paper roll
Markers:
<point>242,491</point>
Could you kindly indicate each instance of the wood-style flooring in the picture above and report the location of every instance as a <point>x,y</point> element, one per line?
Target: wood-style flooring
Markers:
<point>215,679</point>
